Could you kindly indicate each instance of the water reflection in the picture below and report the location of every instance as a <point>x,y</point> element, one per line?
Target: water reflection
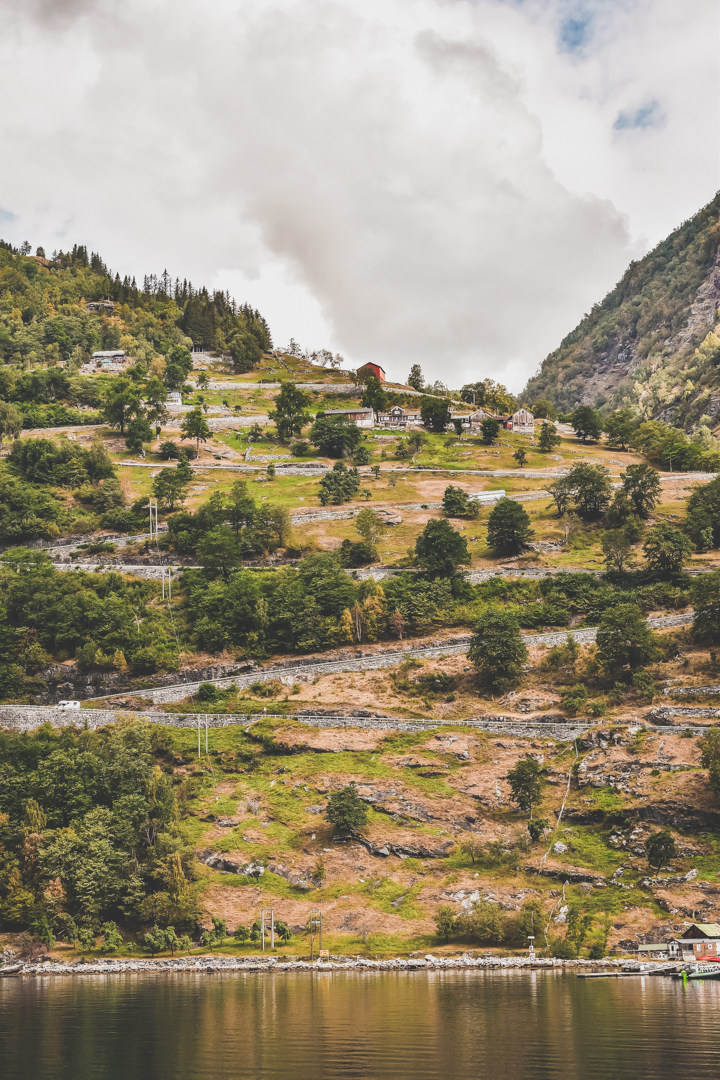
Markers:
<point>387,1026</point>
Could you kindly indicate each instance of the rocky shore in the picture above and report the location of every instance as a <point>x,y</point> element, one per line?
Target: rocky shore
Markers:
<point>214,964</point>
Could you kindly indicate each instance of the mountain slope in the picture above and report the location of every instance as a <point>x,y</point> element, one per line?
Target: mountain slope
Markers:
<point>652,342</point>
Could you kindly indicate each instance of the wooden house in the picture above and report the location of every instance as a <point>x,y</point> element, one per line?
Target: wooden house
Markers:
<point>364,418</point>
<point>522,421</point>
<point>699,940</point>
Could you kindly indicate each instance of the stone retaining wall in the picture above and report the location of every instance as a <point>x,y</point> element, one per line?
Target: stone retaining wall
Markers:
<point>29,717</point>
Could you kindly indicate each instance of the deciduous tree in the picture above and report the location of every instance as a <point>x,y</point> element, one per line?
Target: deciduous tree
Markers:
<point>441,549</point>
<point>497,649</point>
<point>666,549</point>
<point>508,528</point>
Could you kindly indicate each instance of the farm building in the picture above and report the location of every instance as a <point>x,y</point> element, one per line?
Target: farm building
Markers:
<point>364,418</point>
<point>399,417</point>
<point>372,369</point>
<point>698,940</point>
<point>522,421</point>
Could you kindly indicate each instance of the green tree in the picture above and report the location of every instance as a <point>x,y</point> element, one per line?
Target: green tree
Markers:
<point>346,810</point>
<point>375,396</point>
<point>591,489</point>
<point>624,639</point>
<point>706,602</point>
<point>508,528</point>
<point>703,514</point>
<point>457,504</point>
<point>441,549</point>
<point>112,938</point>
<point>617,550</point>
<point>537,828</point>
<point>369,525</point>
<point>154,941</point>
<point>710,758</point>
<point>289,414</point>
<point>155,407</point>
<point>241,933</point>
<point>661,849</point>
<point>194,426</point>
<point>527,780</point>
<point>334,436</point>
<point>203,380</point>
<point>490,429</point>
<point>444,922</point>
<point>138,432</point>
<point>362,456</point>
<point>579,922</point>
<point>415,378</point>
<point>544,410</point>
<point>562,492</point>
<point>641,484</point>
<point>11,421</point>
<point>520,456</point>
<point>241,507</point>
<point>620,426</point>
<point>122,401</point>
<point>666,549</point>
<point>416,441</point>
<point>170,487</point>
<point>219,551</point>
<point>497,649</point>
<point>587,423</point>
<point>435,413</point>
<point>338,485</point>
<point>549,438</point>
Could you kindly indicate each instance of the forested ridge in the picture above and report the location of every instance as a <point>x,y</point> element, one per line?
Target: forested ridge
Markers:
<point>632,349</point>
<point>44,316</point>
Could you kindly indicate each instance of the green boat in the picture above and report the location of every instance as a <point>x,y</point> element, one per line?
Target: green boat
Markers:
<point>704,971</point>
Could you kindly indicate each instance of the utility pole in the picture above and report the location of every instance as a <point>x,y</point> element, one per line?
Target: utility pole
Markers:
<point>153,519</point>
<point>271,917</point>
<point>315,927</point>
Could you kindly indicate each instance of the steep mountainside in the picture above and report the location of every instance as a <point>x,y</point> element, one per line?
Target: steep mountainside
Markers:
<point>653,342</point>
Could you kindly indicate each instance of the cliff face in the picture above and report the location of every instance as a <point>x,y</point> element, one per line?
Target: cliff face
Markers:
<point>653,342</point>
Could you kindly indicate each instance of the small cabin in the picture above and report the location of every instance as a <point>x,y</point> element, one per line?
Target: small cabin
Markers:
<point>364,418</point>
<point>660,951</point>
<point>522,421</point>
<point>699,940</point>
<point>372,369</point>
<point>476,418</point>
<point>173,397</point>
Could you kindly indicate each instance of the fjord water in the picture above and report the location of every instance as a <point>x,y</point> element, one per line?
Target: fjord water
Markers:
<point>384,1026</point>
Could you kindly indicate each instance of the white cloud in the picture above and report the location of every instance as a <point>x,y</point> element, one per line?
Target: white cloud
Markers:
<point>403,180</point>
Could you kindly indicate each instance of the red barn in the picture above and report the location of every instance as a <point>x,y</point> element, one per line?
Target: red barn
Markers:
<point>373,369</point>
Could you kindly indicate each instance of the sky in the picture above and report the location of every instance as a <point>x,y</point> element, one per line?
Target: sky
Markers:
<point>441,182</point>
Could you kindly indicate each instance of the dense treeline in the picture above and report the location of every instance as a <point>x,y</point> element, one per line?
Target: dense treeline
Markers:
<point>90,831</point>
<point>104,621</point>
<point>642,313</point>
<point>44,316</point>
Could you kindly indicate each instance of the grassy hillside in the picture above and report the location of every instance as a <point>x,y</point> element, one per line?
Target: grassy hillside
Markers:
<point>651,343</point>
<point>127,828</point>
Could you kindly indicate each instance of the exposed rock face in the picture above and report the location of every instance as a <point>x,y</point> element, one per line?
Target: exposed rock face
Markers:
<point>640,345</point>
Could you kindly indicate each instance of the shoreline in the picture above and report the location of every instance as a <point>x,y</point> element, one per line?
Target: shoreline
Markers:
<point>213,965</point>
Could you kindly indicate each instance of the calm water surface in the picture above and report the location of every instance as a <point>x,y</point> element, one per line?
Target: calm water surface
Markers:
<point>430,1026</point>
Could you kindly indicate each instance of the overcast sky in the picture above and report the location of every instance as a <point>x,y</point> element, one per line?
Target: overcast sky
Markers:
<point>432,181</point>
